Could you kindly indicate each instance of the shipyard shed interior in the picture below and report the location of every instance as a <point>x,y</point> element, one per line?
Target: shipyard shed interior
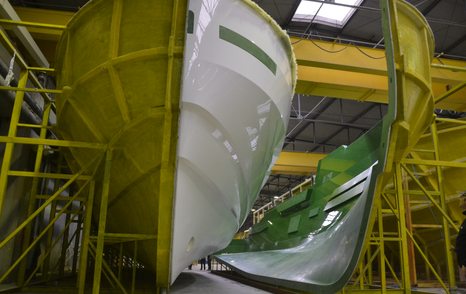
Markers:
<point>341,94</point>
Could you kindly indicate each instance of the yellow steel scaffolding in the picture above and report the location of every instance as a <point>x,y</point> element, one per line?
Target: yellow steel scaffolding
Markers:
<point>58,194</point>
<point>399,257</point>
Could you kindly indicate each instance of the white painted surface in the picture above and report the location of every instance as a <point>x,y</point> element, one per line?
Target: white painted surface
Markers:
<point>232,126</point>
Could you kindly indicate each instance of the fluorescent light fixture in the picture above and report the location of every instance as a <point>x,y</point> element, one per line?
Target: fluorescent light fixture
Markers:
<point>326,12</point>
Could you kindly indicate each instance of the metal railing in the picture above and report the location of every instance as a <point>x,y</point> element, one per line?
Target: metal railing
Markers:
<point>259,213</point>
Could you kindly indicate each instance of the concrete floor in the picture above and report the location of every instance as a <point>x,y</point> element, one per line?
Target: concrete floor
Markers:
<point>197,281</point>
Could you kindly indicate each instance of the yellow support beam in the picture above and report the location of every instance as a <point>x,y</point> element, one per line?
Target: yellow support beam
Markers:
<point>44,16</point>
<point>359,73</point>
<point>324,68</point>
<point>297,163</point>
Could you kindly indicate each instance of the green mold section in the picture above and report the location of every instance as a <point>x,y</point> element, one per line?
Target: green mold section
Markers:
<point>341,175</point>
<point>291,245</point>
<point>313,241</point>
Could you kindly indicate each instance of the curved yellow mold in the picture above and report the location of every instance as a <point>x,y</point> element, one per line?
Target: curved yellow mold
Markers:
<point>122,87</point>
<point>409,55</point>
<point>120,66</point>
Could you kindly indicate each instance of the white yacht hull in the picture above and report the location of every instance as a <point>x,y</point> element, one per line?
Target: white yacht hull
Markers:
<point>234,109</point>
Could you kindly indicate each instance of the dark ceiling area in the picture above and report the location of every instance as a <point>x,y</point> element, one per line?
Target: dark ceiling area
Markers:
<point>322,124</point>
<point>68,5</point>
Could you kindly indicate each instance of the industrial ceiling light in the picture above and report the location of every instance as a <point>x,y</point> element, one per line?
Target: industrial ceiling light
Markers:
<point>334,13</point>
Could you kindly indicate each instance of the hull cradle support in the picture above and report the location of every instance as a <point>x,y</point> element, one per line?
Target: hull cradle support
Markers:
<point>60,216</point>
<point>60,236</point>
<point>399,255</point>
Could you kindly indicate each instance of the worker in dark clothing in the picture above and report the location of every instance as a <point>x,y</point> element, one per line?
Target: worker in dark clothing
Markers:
<point>461,243</point>
<point>203,261</point>
<point>209,262</point>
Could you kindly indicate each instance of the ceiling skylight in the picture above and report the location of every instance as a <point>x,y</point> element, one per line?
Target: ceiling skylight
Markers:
<point>326,12</point>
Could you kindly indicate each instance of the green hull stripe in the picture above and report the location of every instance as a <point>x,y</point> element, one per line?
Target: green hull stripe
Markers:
<point>248,46</point>
<point>190,24</point>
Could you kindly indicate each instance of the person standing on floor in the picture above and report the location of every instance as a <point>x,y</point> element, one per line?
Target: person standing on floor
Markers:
<point>202,261</point>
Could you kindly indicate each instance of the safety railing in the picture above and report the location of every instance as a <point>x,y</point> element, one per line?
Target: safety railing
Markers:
<point>259,213</point>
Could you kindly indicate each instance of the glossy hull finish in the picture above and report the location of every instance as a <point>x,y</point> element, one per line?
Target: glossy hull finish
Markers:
<point>195,114</point>
<point>234,109</point>
<point>313,243</point>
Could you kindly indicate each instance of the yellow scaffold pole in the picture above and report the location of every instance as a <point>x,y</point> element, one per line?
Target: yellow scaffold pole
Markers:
<point>85,241</point>
<point>7,155</point>
<point>443,205</point>
<point>102,223</point>
<point>381,243</point>
<point>402,229</point>
<point>34,187</point>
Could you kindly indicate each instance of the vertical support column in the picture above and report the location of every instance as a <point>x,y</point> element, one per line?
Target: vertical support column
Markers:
<point>120,261</point>
<point>383,278</point>
<point>65,243</point>
<point>9,147</point>
<point>370,279</point>
<point>53,211</point>
<point>426,249</point>
<point>85,241</point>
<point>402,229</point>
<point>135,256</point>
<point>102,223</point>
<point>79,228</point>
<point>443,205</point>
<point>409,227</point>
<point>361,273</point>
<point>34,187</point>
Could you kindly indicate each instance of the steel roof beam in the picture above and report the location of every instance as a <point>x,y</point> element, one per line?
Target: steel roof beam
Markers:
<point>297,163</point>
<point>359,73</point>
<point>342,71</point>
<point>356,117</point>
<point>293,134</point>
<point>8,12</point>
<point>456,43</point>
<point>431,6</point>
<point>44,16</point>
<point>333,123</point>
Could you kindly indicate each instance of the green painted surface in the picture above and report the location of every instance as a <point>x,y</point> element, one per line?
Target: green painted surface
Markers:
<point>294,224</point>
<point>313,212</point>
<point>238,40</point>
<point>190,24</point>
<point>313,243</point>
<point>295,203</point>
<point>337,169</point>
